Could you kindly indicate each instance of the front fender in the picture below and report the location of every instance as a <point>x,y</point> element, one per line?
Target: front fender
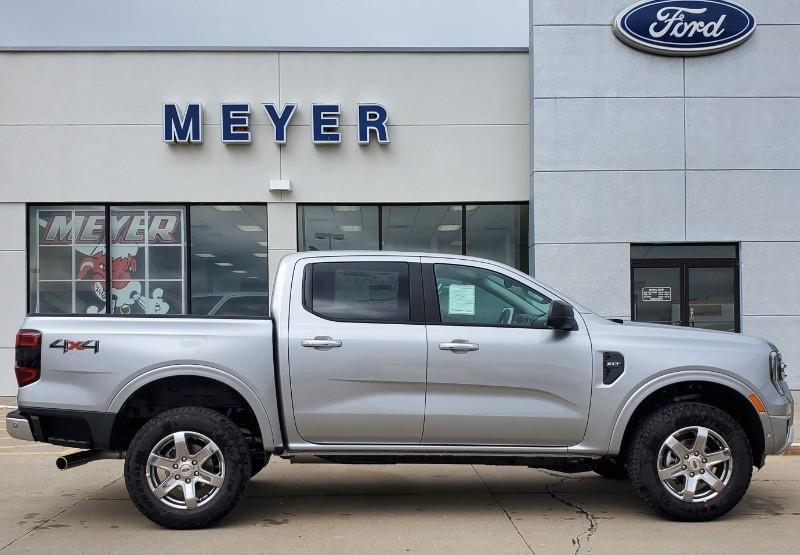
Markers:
<point>624,416</point>
<point>267,432</point>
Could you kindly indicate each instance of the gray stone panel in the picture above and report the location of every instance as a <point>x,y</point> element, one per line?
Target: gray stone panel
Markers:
<point>742,205</point>
<point>578,207</point>
<point>602,12</point>
<point>596,275</point>
<point>783,331</point>
<point>590,61</point>
<point>769,274</point>
<point>767,65</point>
<point>743,133</point>
<point>608,134</point>
<point>577,12</point>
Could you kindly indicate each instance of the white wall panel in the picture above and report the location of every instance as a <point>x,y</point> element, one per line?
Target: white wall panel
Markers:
<point>417,89</point>
<point>422,164</point>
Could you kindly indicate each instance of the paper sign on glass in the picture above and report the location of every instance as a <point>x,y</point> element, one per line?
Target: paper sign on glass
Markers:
<point>462,299</point>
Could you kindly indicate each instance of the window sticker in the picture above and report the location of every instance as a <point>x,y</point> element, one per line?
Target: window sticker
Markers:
<point>367,287</point>
<point>461,299</point>
<point>656,294</point>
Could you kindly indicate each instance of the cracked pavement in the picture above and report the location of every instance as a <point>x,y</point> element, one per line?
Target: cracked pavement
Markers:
<point>308,508</point>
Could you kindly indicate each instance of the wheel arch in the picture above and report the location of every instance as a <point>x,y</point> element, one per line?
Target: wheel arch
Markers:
<point>716,389</point>
<point>195,372</point>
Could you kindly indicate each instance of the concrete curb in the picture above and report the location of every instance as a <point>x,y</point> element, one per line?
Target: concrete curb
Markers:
<point>793,449</point>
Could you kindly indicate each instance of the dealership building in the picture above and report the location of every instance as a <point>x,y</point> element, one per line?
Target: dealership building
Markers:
<point>162,159</point>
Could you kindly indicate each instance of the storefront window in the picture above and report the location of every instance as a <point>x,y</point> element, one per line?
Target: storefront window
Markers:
<point>498,232</point>
<point>152,268</point>
<point>229,260</point>
<point>148,272</point>
<point>67,259</point>
<point>423,228</point>
<point>337,227</point>
<point>494,231</point>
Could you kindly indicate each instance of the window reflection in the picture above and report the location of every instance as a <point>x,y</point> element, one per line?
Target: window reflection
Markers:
<point>425,228</point>
<point>337,227</point>
<point>229,260</point>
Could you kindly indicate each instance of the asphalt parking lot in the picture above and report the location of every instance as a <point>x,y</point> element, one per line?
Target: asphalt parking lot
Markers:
<point>311,508</point>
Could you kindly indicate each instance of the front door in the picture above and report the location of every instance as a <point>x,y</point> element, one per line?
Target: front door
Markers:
<point>357,351</point>
<point>496,374</point>
<point>691,291</point>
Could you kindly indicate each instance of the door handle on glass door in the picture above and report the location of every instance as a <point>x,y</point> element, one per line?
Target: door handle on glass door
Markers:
<point>321,342</point>
<point>459,345</point>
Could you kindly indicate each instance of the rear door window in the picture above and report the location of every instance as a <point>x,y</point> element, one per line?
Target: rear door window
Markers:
<point>360,291</point>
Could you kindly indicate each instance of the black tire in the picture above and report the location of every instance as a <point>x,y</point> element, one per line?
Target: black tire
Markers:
<point>232,446</point>
<point>643,451</point>
<point>258,460</point>
<point>610,468</point>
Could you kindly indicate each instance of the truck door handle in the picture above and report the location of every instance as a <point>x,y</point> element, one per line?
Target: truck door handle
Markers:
<point>321,342</point>
<point>459,346</point>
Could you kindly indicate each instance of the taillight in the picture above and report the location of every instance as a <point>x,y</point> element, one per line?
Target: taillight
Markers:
<point>28,356</point>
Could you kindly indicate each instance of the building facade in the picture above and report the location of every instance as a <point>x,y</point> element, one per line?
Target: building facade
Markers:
<point>139,178</point>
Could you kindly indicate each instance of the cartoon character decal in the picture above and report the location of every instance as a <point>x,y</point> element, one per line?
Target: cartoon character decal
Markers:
<point>126,292</point>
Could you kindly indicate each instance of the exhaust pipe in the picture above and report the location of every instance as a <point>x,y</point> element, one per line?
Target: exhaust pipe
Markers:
<point>82,457</point>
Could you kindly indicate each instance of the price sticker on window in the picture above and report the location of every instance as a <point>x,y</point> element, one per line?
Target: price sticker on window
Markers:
<point>461,300</point>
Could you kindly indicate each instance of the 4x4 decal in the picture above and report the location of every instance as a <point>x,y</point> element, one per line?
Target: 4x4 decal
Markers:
<point>68,345</point>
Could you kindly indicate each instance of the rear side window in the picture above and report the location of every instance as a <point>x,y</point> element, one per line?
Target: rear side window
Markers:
<point>360,291</point>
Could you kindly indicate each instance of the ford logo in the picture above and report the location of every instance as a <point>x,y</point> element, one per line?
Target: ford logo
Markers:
<point>684,27</point>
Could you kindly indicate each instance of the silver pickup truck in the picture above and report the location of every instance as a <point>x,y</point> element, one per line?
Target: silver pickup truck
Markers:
<point>402,358</point>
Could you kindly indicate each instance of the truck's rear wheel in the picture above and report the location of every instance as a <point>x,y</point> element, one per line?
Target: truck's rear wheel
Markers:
<point>690,461</point>
<point>187,467</point>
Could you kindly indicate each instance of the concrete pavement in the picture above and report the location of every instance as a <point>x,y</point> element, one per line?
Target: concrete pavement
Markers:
<point>309,508</point>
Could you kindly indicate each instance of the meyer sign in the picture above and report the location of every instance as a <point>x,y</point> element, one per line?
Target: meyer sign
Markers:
<point>186,126</point>
<point>684,27</point>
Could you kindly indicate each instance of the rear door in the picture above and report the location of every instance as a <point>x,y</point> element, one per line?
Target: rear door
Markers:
<point>357,350</point>
<point>496,374</point>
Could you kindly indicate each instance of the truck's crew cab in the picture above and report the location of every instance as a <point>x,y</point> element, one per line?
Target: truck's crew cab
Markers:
<point>396,357</point>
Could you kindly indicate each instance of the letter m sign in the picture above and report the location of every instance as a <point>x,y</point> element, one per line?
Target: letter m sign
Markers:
<point>183,128</point>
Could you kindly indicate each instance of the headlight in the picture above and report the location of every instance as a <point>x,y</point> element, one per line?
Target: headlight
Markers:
<point>777,370</point>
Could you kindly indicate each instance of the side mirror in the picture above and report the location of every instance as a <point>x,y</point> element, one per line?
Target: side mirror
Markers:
<point>561,316</point>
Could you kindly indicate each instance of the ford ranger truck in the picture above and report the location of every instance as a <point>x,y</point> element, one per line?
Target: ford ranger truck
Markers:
<point>379,357</point>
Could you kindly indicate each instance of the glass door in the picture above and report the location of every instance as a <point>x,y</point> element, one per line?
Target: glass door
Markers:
<point>711,298</point>
<point>657,295</point>
<point>686,285</point>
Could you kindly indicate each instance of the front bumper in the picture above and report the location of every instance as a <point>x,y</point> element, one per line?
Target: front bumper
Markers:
<point>18,426</point>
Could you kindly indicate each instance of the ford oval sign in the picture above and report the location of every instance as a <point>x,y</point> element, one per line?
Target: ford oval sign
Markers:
<point>684,27</point>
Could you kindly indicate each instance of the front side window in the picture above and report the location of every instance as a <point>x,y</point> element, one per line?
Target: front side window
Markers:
<point>360,291</point>
<point>479,297</point>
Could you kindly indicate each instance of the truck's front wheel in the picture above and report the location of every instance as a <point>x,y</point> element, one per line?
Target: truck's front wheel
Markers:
<point>690,461</point>
<point>187,467</point>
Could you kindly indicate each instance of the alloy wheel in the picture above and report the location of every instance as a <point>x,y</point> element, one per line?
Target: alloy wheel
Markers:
<point>694,464</point>
<point>185,470</point>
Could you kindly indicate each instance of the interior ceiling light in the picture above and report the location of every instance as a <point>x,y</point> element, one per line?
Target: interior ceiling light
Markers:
<point>250,228</point>
<point>204,255</point>
<point>260,254</point>
<point>261,243</point>
<point>227,208</point>
<point>239,271</point>
<point>346,208</point>
<point>349,228</point>
<point>224,264</point>
<point>449,227</point>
